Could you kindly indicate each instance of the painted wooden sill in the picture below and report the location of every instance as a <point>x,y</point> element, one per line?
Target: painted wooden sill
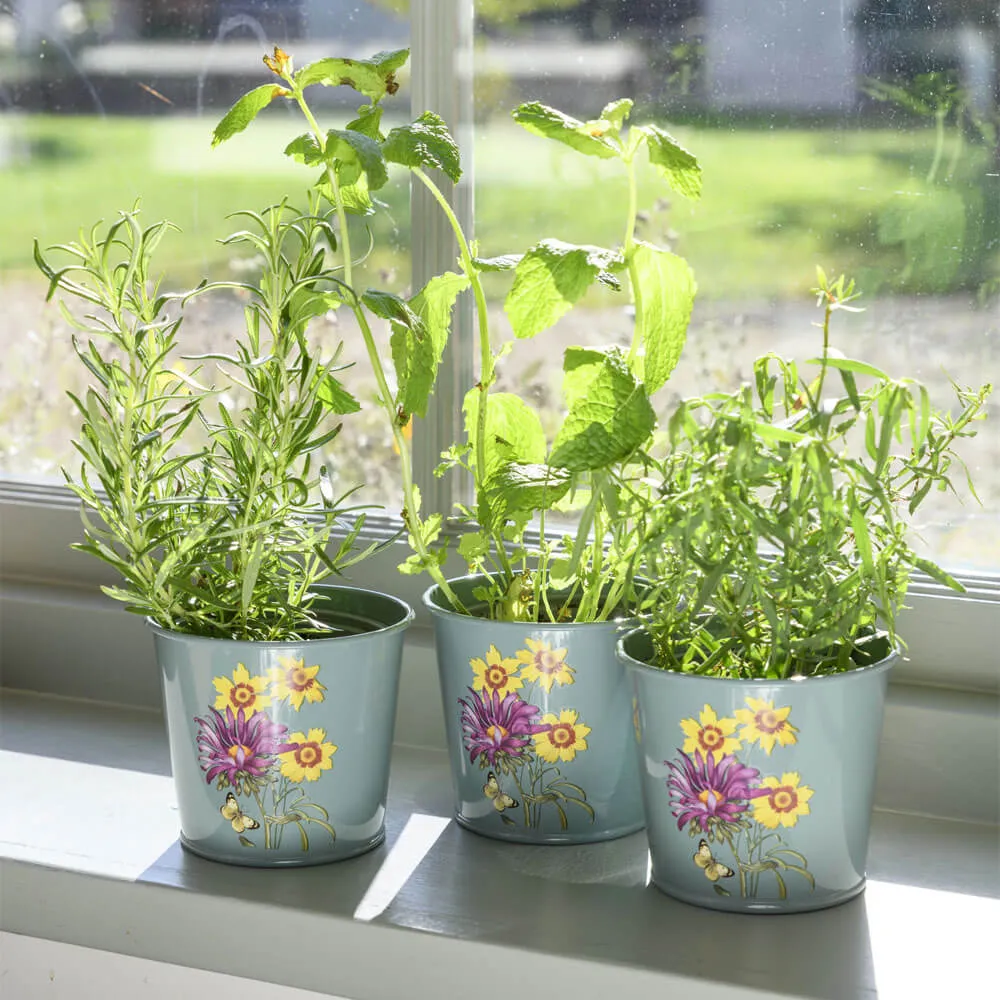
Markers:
<point>88,856</point>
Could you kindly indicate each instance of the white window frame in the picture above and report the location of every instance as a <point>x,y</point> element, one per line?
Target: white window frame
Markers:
<point>953,638</point>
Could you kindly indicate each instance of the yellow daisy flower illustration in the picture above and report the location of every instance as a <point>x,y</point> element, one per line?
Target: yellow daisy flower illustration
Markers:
<point>764,723</point>
<point>544,664</point>
<point>564,737</point>
<point>710,734</point>
<point>784,802</point>
<point>295,681</point>
<point>495,673</point>
<point>242,691</point>
<point>310,756</point>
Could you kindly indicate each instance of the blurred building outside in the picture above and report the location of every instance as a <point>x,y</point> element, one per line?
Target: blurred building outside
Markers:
<point>784,56</point>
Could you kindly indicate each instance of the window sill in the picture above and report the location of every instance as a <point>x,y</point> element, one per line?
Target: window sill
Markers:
<point>89,858</point>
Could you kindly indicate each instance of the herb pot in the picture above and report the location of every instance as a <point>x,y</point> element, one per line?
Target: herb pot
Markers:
<point>538,722</point>
<point>280,750</point>
<point>758,793</point>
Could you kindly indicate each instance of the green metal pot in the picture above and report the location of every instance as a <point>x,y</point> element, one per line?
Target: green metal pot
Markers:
<point>280,750</point>
<point>538,719</point>
<point>758,793</point>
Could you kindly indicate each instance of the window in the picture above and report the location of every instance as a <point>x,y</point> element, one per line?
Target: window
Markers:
<point>862,136</point>
<point>859,135</point>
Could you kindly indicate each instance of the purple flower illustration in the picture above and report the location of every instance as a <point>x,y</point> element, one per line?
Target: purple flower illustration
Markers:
<point>493,726</point>
<point>707,793</point>
<point>234,748</point>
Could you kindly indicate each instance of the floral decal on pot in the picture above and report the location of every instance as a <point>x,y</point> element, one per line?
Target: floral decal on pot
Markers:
<point>257,762</point>
<point>734,812</point>
<point>519,749</point>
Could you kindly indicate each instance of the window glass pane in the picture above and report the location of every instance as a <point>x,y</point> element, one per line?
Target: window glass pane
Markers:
<point>106,101</point>
<point>859,135</point>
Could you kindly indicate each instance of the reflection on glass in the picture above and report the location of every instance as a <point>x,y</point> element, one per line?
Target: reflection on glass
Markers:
<point>861,136</point>
<point>105,102</point>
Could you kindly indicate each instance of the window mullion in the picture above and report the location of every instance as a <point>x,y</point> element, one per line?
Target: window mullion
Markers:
<point>441,65</point>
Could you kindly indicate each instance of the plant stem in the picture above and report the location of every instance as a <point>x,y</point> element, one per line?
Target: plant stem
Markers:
<point>411,511</point>
<point>487,365</point>
<point>628,251</point>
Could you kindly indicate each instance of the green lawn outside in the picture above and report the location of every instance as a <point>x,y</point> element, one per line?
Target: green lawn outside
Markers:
<point>776,203</point>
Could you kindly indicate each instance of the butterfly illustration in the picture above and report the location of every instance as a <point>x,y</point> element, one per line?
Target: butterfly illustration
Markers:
<point>230,810</point>
<point>501,800</point>
<point>714,870</point>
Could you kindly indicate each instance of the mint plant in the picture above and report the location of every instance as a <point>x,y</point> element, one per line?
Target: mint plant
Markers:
<point>777,537</point>
<point>217,516</point>
<point>517,473</point>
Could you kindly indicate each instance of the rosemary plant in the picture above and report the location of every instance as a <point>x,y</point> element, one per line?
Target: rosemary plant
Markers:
<point>216,516</point>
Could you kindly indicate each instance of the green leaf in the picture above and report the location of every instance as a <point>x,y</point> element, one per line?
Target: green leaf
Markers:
<point>245,110</point>
<point>549,280</point>
<point>513,429</point>
<point>606,424</point>
<point>673,161</point>
<point>862,539</point>
<point>771,432</point>
<point>936,573</point>
<point>518,488</point>
<point>474,546</point>
<point>358,150</point>
<point>388,306</point>
<point>417,351</point>
<point>304,149</point>
<point>617,111</point>
<point>850,365</point>
<point>664,289</point>
<point>581,365</point>
<point>424,143</point>
<point>374,77</point>
<point>368,122</point>
<point>335,397</point>
<point>553,124</point>
<point>505,262</point>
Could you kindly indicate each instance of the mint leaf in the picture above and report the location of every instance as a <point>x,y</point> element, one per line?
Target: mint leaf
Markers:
<point>424,143</point>
<point>304,149</point>
<point>673,161</point>
<point>513,429</point>
<point>553,124</point>
<point>335,397</point>
<point>664,289</point>
<point>549,279</point>
<point>356,148</point>
<point>518,488</point>
<point>245,110</point>
<point>417,352</point>
<point>388,306</point>
<point>505,262</point>
<point>616,112</point>
<point>368,122</point>
<point>581,365</point>
<point>374,77</point>
<point>608,422</point>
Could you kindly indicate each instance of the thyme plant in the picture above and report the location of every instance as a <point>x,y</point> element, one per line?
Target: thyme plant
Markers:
<point>517,473</point>
<point>777,533</point>
<point>216,515</point>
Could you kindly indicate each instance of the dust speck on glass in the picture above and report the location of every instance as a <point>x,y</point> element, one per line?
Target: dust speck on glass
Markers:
<point>859,135</point>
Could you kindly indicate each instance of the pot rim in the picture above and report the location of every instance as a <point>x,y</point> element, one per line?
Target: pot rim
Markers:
<point>450,613</point>
<point>632,663</point>
<point>384,630</point>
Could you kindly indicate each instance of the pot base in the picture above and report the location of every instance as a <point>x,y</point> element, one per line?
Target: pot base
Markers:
<point>749,907</point>
<point>540,839</point>
<point>306,861</point>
